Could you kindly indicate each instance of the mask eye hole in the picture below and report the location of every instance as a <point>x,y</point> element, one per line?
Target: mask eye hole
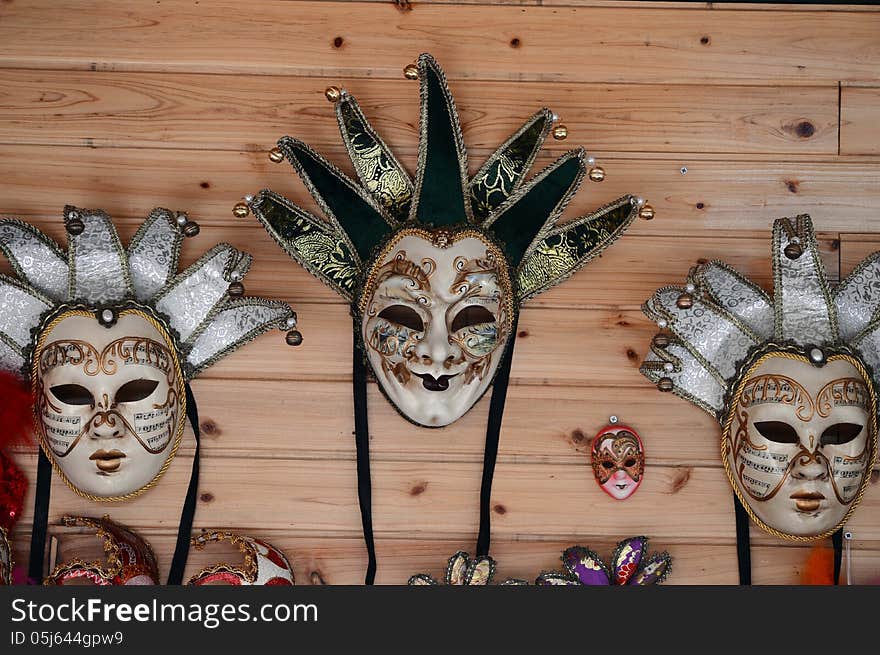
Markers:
<point>608,465</point>
<point>840,433</point>
<point>471,315</point>
<point>777,431</point>
<point>73,394</point>
<point>630,462</point>
<point>404,316</point>
<point>136,390</point>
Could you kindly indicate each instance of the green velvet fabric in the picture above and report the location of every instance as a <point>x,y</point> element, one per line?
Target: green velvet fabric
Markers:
<point>441,199</point>
<point>520,223</point>
<point>363,224</point>
<point>506,169</point>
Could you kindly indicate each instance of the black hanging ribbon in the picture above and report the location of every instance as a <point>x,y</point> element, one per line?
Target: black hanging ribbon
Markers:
<point>184,530</point>
<point>42,496</point>
<point>490,452</point>
<point>743,543</point>
<point>188,513</point>
<point>837,544</point>
<point>362,444</point>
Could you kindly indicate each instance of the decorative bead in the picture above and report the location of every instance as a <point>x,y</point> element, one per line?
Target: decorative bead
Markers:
<point>411,72</point>
<point>291,321</point>
<point>560,132</point>
<point>793,250</point>
<point>241,210</point>
<point>613,420</point>
<point>107,317</point>
<point>236,276</point>
<point>661,340</point>
<point>796,240</point>
<point>554,117</point>
<point>294,338</point>
<point>664,384</point>
<point>662,323</point>
<point>668,367</point>
<point>75,225</point>
<point>249,198</point>
<point>817,356</point>
<point>597,174</point>
<point>646,212</point>
<point>690,288</point>
<point>191,229</point>
<point>235,290</point>
<point>276,155</point>
<point>591,160</point>
<point>181,219</point>
<point>332,93</point>
<point>685,301</point>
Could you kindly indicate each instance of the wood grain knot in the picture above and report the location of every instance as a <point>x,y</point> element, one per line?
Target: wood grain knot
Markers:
<point>632,355</point>
<point>805,129</point>
<point>792,185</point>
<point>499,509</point>
<point>702,260</point>
<point>577,436</point>
<point>522,334</point>
<point>705,39</point>
<point>338,41</point>
<point>681,478</point>
<point>207,497</point>
<point>205,185</point>
<point>210,428</point>
<point>515,42</point>
<point>835,244</point>
<point>418,488</point>
<point>316,578</point>
<point>700,205</point>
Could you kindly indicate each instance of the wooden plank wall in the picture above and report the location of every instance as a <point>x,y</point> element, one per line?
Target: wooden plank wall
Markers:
<point>723,116</point>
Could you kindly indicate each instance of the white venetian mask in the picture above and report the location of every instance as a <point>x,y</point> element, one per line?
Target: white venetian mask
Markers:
<point>110,401</point>
<point>797,447</point>
<point>436,316</point>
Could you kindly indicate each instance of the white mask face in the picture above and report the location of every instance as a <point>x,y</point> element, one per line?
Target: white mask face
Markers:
<point>801,441</point>
<point>437,314</point>
<point>110,402</point>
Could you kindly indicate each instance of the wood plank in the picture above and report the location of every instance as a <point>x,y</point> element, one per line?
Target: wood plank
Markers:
<point>859,132</point>
<point>341,561</point>
<point>599,285</point>
<point>841,197</point>
<point>635,45</point>
<point>425,500</point>
<point>235,112</point>
<point>855,247</point>
<point>289,420</point>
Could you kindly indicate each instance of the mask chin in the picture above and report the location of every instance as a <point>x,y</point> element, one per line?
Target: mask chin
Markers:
<point>110,401</point>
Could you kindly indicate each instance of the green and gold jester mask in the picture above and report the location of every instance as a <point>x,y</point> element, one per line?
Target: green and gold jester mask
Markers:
<point>436,266</point>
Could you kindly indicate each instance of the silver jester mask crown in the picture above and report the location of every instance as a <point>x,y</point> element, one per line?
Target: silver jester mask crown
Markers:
<point>109,336</point>
<point>791,378</point>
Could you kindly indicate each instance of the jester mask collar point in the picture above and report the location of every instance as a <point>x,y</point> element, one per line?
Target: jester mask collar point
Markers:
<point>108,337</point>
<point>437,265</point>
<point>791,378</point>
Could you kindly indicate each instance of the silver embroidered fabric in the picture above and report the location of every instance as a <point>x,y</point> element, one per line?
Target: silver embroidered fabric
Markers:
<point>10,360</point>
<point>858,297</point>
<point>743,300</point>
<point>152,257</point>
<point>803,312</point>
<point>19,312</point>
<point>98,263</point>
<point>194,294</point>
<point>34,259</point>
<point>721,342</point>
<point>691,379</point>
<point>232,326</point>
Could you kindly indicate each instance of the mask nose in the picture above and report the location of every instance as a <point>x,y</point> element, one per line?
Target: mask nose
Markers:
<point>106,425</point>
<point>810,467</point>
<point>435,349</point>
